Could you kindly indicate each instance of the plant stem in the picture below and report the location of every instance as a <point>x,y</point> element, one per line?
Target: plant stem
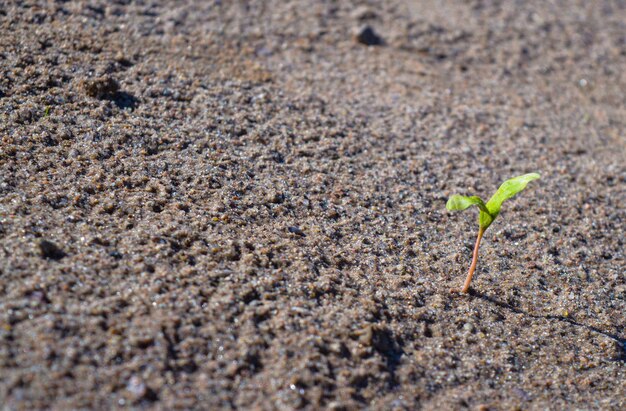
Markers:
<point>472,268</point>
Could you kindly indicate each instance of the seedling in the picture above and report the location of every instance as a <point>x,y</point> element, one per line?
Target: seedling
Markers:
<point>488,212</point>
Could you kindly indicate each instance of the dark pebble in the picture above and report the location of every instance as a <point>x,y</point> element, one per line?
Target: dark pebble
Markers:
<point>50,250</point>
<point>297,231</point>
<point>367,36</point>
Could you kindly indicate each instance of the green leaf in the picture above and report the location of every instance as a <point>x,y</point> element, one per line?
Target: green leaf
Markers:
<point>489,211</point>
<point>507,190</point>
<point>457,202</point>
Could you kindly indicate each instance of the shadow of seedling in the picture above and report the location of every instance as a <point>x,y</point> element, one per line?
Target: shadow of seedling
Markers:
<point>621,342</point>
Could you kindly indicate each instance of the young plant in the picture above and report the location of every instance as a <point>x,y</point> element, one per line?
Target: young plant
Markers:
<point>488,211</point>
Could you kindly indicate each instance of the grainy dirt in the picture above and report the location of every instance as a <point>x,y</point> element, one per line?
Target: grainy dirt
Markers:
<point>241,204</point>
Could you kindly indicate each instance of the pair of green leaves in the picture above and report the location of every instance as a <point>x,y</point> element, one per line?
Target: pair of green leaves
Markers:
<point>490,210</point>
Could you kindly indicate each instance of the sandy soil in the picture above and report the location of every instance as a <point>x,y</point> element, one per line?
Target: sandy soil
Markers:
<point>241,204</point>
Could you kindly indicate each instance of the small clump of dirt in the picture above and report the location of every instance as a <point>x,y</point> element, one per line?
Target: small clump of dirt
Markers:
<point>100,87</point>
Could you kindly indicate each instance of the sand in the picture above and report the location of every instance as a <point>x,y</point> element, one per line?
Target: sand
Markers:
<point>241,205</point>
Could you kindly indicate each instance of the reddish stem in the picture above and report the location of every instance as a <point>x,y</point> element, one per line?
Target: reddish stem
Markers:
<point>472,268</point>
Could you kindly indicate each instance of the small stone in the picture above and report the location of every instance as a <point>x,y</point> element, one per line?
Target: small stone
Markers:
<point>136,387</point>
<point>296,231</point>
<point>50,250</point>
<point>274,197</point>
<point>138,390</point>
<point>367,36</point>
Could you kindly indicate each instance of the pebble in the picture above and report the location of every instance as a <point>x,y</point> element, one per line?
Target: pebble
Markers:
<point>50,250</point>
<point>367,36</point>
<point>136,387</point>
<point>296,231</point>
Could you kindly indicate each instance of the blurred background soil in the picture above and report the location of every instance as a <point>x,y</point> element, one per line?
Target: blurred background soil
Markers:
<point>241,204</point>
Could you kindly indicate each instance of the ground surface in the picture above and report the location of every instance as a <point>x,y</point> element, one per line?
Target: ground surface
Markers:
<point>235,204</point>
